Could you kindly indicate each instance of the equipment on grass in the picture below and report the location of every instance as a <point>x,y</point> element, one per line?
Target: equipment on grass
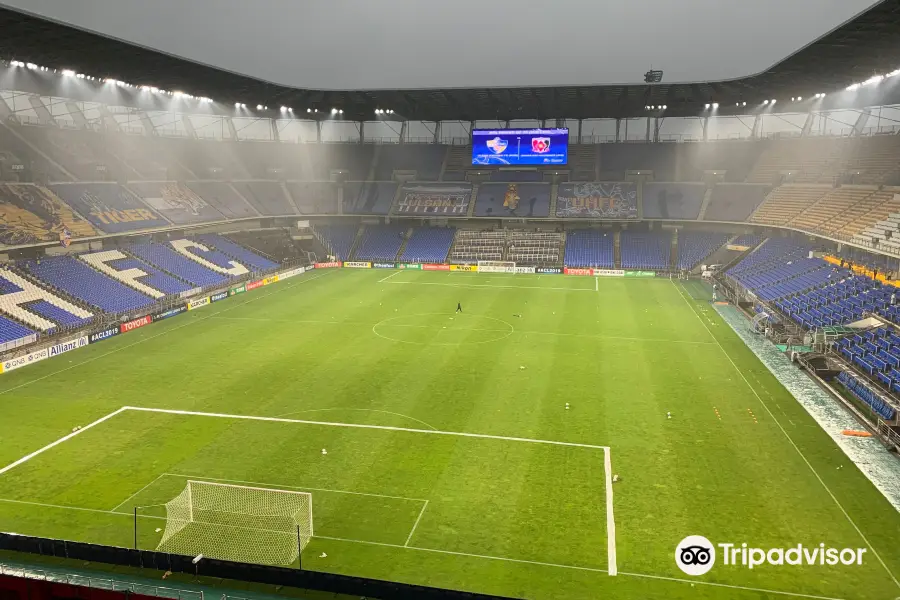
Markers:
<point>496,266</point>
<point>238,523</point>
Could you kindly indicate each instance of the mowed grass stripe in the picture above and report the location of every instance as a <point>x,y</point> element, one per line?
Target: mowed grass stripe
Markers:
<point>730,478</point>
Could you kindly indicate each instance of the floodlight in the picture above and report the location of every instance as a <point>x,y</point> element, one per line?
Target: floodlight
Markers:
<point>665,106</point>
<point>715,105</point>
<point>334,111</point>
<point>259,107</point>
<point>707,105</point>
<point>68,73</point>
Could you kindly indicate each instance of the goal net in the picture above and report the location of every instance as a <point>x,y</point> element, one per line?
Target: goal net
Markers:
<point>496,266</point>
<point>238,523</point>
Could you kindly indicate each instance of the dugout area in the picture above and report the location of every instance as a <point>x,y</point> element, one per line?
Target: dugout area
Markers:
<point>479,496</point>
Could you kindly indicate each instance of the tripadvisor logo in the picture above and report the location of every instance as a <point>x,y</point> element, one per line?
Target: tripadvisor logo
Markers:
<point>695,555</point>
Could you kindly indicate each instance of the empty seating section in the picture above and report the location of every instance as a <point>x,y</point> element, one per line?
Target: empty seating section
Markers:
<point>223,198</point>
<point>77,279</point>
<point>353,159</point>
<point>731,159</point>
<point>267,197</point>
<point>314,197</point>
<point>369,198</point>
<point>862,391</point>
<point>534,248</point>
<point>155,278</point>
<point>338,239</point>
<point>589,248</point>
<point>870,210</point>
<point>646,250</point>
<point>424,159</point>
<point>176,202</point>
<point>748,239</point>
<point>583,162</point>
<point>673,200</point>
<point>825,213</point>
<point>694,247</point>
<point>428,244</point>
<point>474,245</point>
<point>31,214</point>
<point>617,159</point>
<point>109,206</point>
<point>806,160</point>
<point>785,203</point>
<point>517,176</point>
<point>56,314</point>
<point>734,202</point>
<point>177,264</point>
<point>871,160</point>
<point>236,251</point>
<point>381,242</point>
<point>521,200</point>
<point>11,331</point>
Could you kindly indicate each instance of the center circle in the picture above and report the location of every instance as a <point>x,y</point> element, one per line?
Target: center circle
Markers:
<point>443,329</point>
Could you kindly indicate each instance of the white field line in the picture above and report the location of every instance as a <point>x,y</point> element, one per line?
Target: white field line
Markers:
<point>125,501</point>
<point>610,521</point>
<point>791,441</point>
<point>486,436</point>
<point>478,285</point>
<point>148,338</point>
<point>64,438</point>
<point>596,284</point>
<point>416,524</point>
<point>437,551</point>
<point>383,279</point>
<point>522,331</point>
<point>386,412</point>
<point>578,568</point>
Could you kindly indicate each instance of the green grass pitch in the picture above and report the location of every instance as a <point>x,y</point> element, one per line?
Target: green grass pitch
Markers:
<point>500,512</point>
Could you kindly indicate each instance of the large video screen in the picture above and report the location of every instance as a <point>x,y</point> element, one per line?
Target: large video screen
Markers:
<point>520,146</point>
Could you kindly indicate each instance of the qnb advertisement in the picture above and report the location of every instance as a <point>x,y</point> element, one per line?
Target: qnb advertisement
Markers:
<point>520,146</point>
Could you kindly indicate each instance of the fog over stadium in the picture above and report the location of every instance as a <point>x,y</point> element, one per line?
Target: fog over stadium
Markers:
<point>357,302</point>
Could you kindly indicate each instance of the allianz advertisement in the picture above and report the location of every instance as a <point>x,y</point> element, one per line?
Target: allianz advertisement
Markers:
<point>39,355</point>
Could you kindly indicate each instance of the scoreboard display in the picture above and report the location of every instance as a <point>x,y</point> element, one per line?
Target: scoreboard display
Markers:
<point>520,146</point>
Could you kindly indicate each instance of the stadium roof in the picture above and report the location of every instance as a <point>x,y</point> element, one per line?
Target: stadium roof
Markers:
<point>867,45</point>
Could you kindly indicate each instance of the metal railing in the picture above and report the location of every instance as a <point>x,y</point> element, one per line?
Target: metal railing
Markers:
<point>102,583</point>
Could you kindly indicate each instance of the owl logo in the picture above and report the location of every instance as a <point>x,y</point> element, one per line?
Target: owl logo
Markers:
<point>511,198</point>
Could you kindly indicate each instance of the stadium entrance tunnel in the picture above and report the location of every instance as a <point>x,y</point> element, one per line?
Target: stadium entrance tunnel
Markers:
<point>443,329</point>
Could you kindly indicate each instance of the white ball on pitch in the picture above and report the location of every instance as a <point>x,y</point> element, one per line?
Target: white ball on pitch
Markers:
<point>324,451</point>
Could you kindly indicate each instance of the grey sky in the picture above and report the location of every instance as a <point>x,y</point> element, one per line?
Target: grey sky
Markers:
<point>406,44</point>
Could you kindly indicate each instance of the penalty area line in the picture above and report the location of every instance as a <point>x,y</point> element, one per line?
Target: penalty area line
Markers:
<point>191,413</point>
<point>64,438</point>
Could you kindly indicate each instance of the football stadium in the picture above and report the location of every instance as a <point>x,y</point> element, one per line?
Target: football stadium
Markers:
<point>334,301</point>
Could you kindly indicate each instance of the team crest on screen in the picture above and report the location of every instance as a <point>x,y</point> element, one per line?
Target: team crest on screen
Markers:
<point>540,145</point>
<point>498,145</point>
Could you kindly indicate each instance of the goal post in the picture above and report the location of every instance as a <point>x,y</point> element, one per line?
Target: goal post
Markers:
<point>238,523</point>
<point>496,266</point>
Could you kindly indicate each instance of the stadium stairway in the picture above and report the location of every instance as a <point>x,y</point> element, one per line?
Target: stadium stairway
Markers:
<point>706,199</point>
<point>471,211</point>
<point>403,244</point>
<point>290,198</point>
<point>244,199</point>
<point>673,253</point>
<point>360,234</point>
<point>617,249</point>
<point>554,192</point>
